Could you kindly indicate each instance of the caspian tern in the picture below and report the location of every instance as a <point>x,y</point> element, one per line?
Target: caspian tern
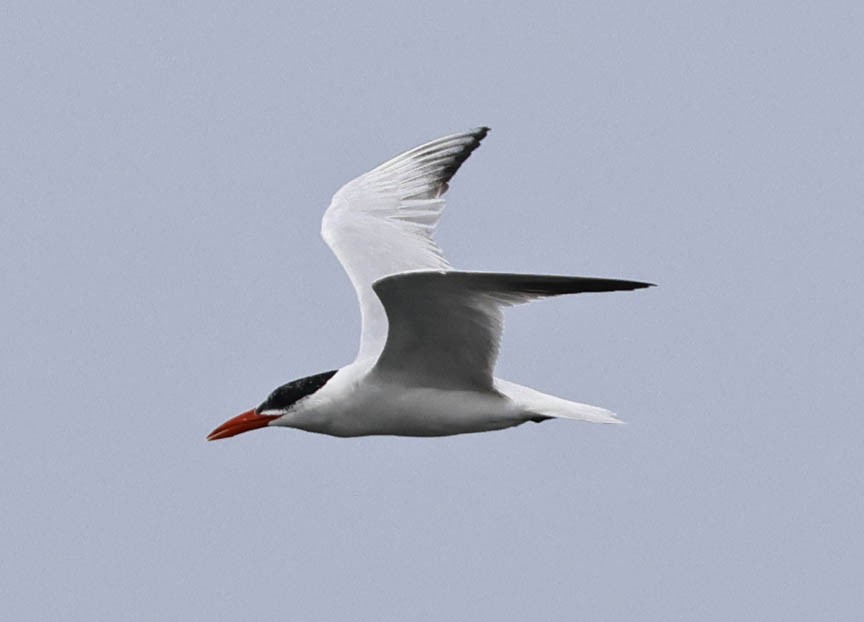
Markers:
<point>430,334</point>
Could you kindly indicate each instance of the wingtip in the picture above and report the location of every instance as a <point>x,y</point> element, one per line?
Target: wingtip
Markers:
<point>479,133</point>
<point>475,137</point>
<point>634,285</point>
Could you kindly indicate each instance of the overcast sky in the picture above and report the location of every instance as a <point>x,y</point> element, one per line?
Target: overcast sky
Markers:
<point>163,172</point>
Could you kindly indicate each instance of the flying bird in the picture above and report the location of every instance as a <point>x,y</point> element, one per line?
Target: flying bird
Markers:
<point>430,334</point>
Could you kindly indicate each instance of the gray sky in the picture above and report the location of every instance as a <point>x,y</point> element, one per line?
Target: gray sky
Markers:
<point>164,170</point>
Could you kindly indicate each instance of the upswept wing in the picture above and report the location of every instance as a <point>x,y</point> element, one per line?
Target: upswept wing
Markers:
<point>445,326</point>
<point>382,222</point>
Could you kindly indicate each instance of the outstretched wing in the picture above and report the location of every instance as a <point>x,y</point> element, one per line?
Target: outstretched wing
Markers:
<point>445,327</point>
<point>382,223</point>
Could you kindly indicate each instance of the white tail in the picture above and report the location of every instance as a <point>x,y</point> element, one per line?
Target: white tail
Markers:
<point>536,403</point>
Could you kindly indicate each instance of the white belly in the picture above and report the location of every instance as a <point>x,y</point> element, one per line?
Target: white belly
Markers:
<point>362,409</point>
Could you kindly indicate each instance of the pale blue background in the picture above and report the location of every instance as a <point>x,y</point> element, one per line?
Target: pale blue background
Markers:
<point>163,171</point>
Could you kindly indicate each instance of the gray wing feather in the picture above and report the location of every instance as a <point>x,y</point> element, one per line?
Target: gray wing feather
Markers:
<point>445,326</point>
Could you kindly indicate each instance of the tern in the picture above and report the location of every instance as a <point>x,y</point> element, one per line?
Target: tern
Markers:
<point>429,334</point>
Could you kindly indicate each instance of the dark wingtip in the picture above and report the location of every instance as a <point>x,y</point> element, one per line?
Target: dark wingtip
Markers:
<point>642,285</point>
<point>594,284</point>
<point>477,135</point>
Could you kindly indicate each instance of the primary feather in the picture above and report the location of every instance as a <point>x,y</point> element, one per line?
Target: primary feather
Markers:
<point>382,222</point>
